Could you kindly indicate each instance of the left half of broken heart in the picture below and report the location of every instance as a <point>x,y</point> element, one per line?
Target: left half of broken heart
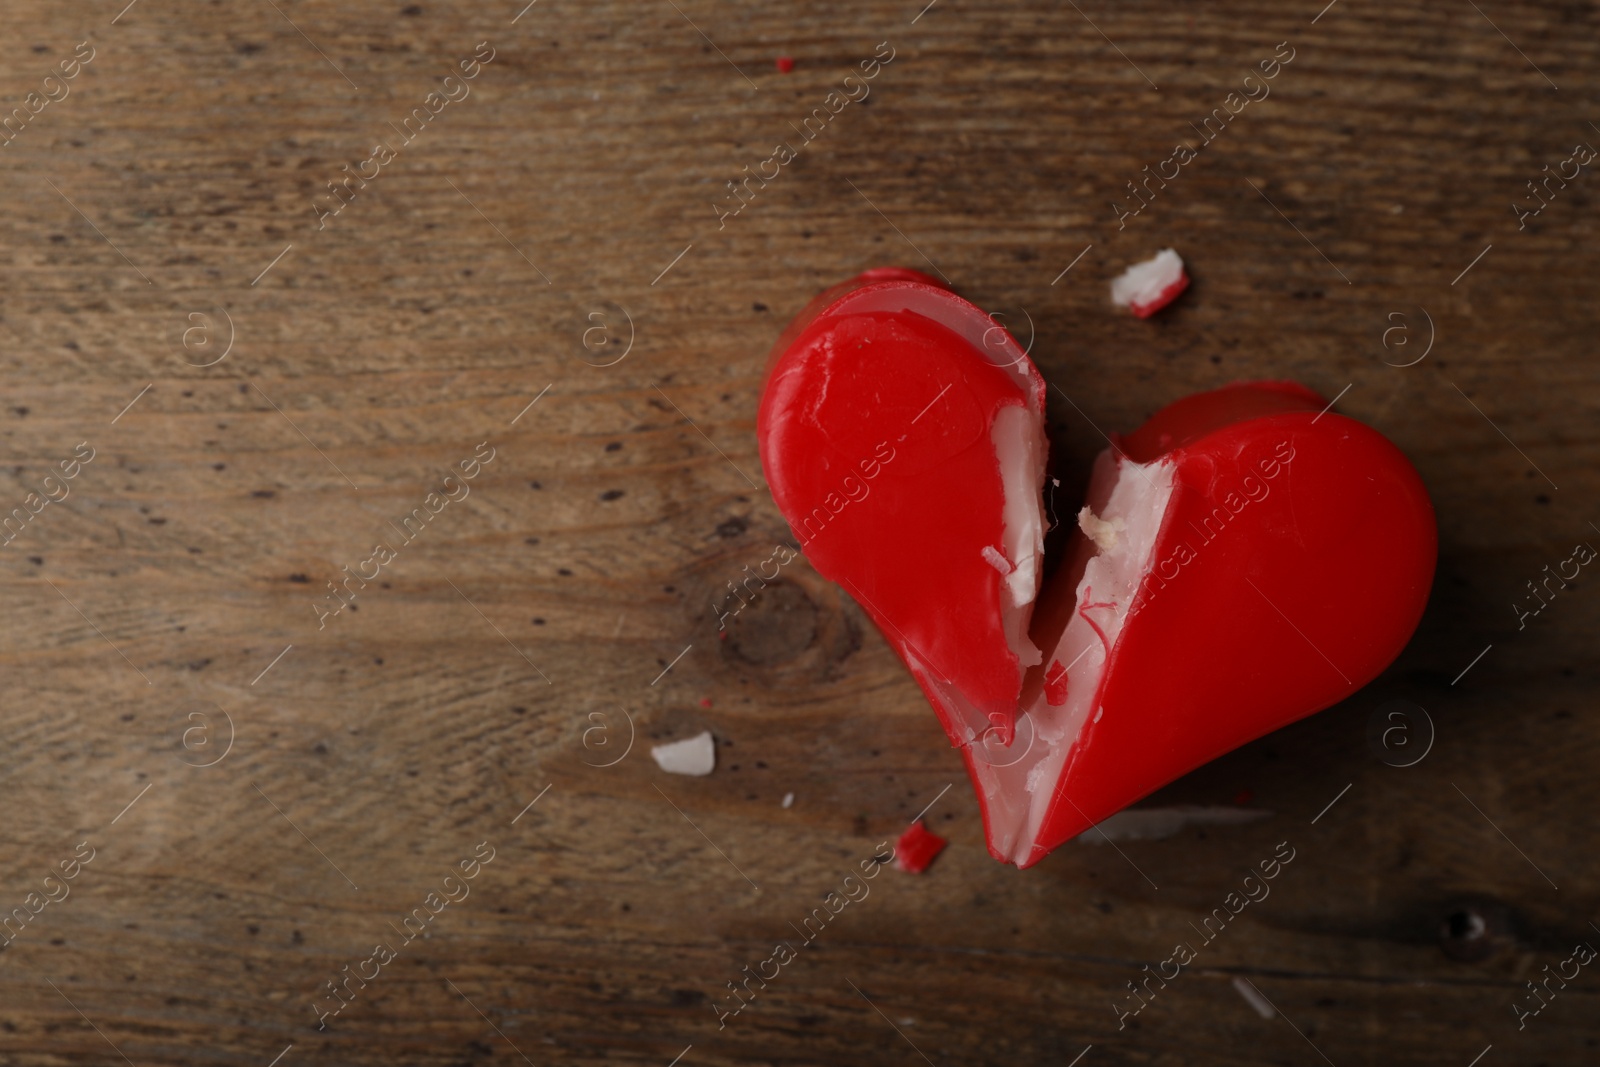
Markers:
<point>902,433</point>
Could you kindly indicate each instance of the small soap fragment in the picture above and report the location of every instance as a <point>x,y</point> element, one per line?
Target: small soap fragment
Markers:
<point>1145,288</point>
<point>695,755</point>
<point>785,63</point>
<point>1102,533</point>
<point>788,800</point>
<point>916,848</point>
<point>1055,684</point>
<point>992,556</point>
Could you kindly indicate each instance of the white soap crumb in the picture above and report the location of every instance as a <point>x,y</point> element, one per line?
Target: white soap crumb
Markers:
<point>1146,287</point>
<point>992,556</point>
<point>695,756</point>
<point>788,800</point>
<point>1102,533</point>
<point>1100,712</point>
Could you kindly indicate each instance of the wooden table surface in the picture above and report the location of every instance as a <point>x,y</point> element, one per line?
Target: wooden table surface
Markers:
<point>267,388</point>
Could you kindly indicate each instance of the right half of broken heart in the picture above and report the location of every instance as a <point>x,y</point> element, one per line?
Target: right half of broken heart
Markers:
<point>1244,559</point>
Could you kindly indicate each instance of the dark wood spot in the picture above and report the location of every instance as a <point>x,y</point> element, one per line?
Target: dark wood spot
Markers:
<point>1474,931</point>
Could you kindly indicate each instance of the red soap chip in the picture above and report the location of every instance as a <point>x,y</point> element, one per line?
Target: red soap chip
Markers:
<point>1055,684</point>
<point>1145,288</point>
<point>1162,299</point>
<point>705,702</point>
<point>785,64</point>
<point>917,848</point>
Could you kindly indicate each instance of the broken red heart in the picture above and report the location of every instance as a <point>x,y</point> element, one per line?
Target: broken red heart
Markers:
<point>1244,559</point>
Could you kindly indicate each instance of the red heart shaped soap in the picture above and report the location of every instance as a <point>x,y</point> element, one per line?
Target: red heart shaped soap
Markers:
<point>879,433</point>
<point>1244,559</point>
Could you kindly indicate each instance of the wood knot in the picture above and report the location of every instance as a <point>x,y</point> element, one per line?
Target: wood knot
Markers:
<point>787,633</point>
<point>776,627</point>
<point>1474,931</point>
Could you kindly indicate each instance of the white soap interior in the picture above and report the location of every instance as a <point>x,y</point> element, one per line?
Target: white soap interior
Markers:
<point>1127,505</point>
<point>1143,282</point>
<point>695,755</point>
<point>1020,445</point>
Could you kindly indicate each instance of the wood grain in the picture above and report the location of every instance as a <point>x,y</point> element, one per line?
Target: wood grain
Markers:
<point>383,348</point>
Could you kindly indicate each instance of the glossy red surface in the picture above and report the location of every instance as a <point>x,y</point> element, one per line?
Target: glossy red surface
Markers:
<point>1293,565</point>
<point>874,430</point>
<point>1293,562</point>
<point>917,848</point>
